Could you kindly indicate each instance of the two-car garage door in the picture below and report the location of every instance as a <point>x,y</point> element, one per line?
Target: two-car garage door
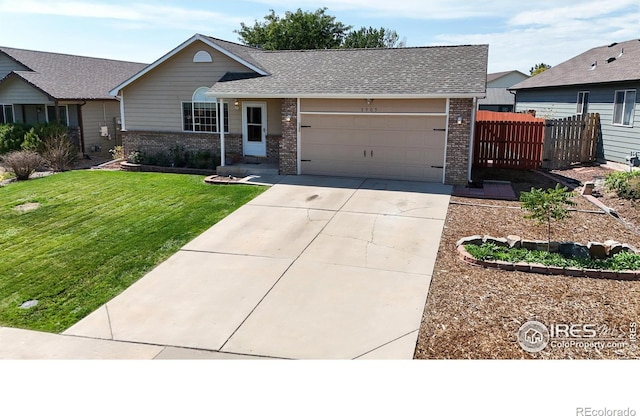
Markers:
<point>407,147</point>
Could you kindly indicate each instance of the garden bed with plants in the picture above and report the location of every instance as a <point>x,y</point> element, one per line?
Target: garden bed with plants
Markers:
<point>475,312</point>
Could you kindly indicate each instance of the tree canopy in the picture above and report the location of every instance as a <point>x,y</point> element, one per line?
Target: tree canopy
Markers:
<point>539,68</point>
<point>313,30</point>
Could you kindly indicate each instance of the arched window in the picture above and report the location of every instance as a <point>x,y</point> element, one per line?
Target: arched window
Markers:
<point>201,113</point>
<point>202,56</point>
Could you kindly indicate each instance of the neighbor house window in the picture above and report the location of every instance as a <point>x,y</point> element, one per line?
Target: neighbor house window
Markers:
<point>51,114</point>
<point>624,107</point>
<point>583,102</point>
<point>6,113</point>
<point>201,114</point>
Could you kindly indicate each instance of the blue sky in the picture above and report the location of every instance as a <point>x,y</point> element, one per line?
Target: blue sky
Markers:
<point>519,33</point>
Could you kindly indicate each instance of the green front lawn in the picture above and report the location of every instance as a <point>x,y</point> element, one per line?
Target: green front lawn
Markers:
<point>95,233</point>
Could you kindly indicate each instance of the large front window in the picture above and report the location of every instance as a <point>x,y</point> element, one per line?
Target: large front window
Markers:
<point>62,112</point>
<point>201,114</point>
<point>624,108</point>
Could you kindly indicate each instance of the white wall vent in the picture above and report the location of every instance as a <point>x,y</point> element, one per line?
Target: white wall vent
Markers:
<point>202,56</point>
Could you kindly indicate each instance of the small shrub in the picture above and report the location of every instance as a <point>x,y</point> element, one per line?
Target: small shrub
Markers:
<point>624,184</point>
<point>117,152</point>
<point>135,157</point>
<point>59,153</point>
<point>22,163</point>
<point>32,141</point>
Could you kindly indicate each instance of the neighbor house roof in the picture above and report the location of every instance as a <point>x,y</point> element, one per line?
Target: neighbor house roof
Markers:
<point>497,75</point>
<point>66,77</point>
<point>440,71</point>
<point>497,96</point>
<point>616,62</point>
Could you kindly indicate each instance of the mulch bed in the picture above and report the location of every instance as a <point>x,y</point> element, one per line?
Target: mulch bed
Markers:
<point>474,312</point>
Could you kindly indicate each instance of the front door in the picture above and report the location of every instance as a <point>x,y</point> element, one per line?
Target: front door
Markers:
<point>254,128</point>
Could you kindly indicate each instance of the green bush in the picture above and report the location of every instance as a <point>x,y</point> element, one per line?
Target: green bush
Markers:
<point>32,141</point>
<point>11,137</point>
<point>624,184</point>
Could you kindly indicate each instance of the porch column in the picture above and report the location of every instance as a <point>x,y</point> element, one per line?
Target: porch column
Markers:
<point>221,118</point>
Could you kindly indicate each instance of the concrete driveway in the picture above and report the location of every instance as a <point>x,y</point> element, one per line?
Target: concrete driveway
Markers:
<point>315,267</point>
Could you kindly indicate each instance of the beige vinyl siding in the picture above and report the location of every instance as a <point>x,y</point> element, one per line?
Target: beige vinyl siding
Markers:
<point>16,91</point>
<point>154,102</point>
<point>8,65</point>
<point>94,114</point>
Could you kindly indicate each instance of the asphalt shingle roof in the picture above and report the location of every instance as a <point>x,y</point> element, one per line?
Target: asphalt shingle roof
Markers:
<point>578,70</point>
<point>71,77</point>
<point>497,96</point>
<point>425,71</point>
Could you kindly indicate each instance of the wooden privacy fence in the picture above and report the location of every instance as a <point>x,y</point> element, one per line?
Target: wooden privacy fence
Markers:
<point>521,141</point>
<point>570,140</point>
<point>515,144</point>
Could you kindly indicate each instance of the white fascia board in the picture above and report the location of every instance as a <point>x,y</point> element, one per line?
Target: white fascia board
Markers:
<point>179,48</point>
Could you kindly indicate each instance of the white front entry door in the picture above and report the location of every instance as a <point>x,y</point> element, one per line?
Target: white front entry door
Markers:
<point>254,128</point>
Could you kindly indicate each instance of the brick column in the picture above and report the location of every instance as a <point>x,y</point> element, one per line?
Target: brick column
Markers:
<point>289,143</point>
<point>457,161</point>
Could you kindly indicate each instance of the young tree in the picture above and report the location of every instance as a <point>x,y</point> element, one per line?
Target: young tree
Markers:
<point>539,68</point>
<point>544,206</point>
<point>372,38</point>
<point>296,30</point>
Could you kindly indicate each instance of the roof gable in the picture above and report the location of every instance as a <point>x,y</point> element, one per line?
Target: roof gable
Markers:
<point>616,62</point>
<point>63,76</point>
<point>238,53</point>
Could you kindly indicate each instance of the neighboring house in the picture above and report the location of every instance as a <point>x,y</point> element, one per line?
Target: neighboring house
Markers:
<point>41,87</point>
<point>601,80</point>
<point>403,113</point>
<point>498,96</point>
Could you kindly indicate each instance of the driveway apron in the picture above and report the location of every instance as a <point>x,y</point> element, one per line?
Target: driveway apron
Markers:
<point>313,268</point>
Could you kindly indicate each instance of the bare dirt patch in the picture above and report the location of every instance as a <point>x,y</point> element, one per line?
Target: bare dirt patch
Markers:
<point>473,312</point>
<point>31,206</point>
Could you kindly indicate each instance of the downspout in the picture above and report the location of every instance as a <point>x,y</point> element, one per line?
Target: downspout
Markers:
<point>222,150</point>
<point>471,138</point>
<point>121,99</point>
<point>81,132</point>
<point>298,138</point>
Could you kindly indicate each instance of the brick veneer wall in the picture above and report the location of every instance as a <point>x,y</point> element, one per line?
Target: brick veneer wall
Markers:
<point>457,163</point>
<point>289,142</point>
<point>158,142</point>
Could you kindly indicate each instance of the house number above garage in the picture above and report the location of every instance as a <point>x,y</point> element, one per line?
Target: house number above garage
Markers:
<point>369,109</point>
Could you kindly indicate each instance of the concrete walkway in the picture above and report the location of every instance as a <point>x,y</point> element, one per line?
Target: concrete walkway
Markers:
<point>315,267</point>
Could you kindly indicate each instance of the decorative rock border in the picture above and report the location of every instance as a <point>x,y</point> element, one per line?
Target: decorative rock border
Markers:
<point>609,248</point>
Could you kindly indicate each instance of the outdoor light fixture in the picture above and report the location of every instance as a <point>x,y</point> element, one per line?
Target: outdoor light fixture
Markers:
<point>287,118</point>
<point>236,104</point>
<point>369,101</point>
<point>459,119</point>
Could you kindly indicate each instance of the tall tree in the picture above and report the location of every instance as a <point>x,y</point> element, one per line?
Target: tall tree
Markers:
<point>539,68</point>
<point>296,30</point>
<point>372,38</point>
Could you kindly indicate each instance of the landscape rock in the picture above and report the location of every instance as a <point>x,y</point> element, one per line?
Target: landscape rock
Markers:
<point>474,239</point>
<point>533,244</point>
<point>597,250</point>
<point>575,250</point>
<point>514,241</point>
<point>498,241</point>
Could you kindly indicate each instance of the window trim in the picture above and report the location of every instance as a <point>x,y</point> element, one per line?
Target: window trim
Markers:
<point>217,103</point>
<point>4,114</point>
<point>624,103</point>
<point>66,112</point>
<point>582,105</point>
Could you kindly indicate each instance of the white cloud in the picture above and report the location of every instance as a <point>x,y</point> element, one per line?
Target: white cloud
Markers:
<point>139,14</point>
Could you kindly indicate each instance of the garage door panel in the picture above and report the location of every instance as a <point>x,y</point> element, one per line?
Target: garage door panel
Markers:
<point>394,147</point>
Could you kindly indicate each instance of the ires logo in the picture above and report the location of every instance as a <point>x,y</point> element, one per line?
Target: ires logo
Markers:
<point>572,330</point>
